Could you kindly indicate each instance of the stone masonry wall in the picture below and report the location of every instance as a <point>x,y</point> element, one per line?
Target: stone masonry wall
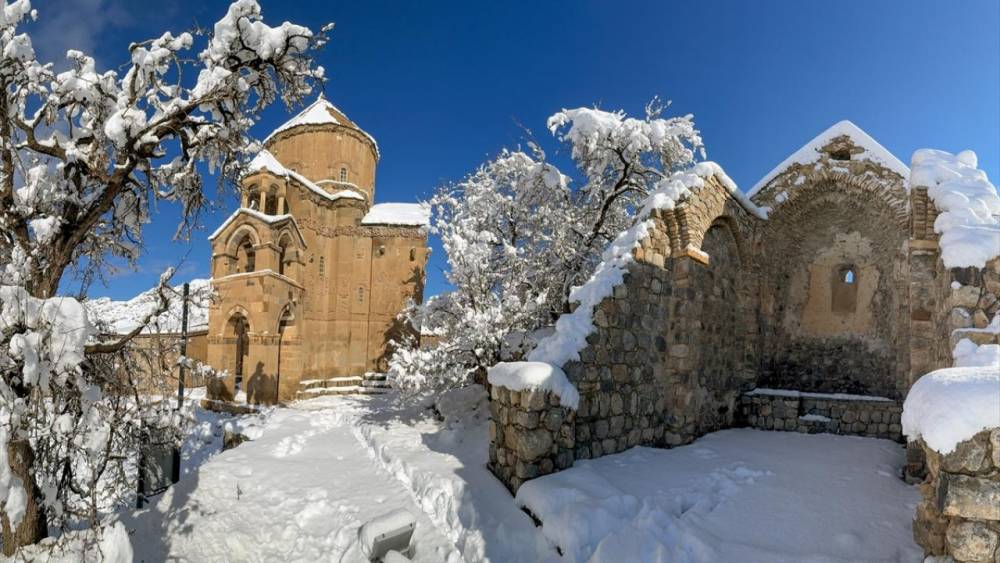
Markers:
<point>531,435</point>
<point>960,513</point>
<point>671,353</point>
<point>815,413</point>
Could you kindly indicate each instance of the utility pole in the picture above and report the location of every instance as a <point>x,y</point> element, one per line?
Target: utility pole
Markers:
<point>175,470</point>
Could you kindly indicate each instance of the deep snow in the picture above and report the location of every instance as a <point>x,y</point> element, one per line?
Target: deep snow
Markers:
<point>315,473</point>
<point>736,495</point>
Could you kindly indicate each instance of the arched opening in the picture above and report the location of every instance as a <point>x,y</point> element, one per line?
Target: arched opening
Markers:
<point>283,245</point>
<point>239,331</point>
<point>246,256</point>
<point>831,293</point>
<point>271,204</point>
<point>343,174</point>
<point>253,198</point>
<point>720,335</point>
<point>844,290</point>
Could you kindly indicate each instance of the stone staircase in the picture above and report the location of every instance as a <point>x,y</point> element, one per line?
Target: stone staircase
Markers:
<point>367,384</point>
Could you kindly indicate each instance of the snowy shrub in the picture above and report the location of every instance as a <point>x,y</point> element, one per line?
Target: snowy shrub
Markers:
<point>519,237</point>
<point>84,156</point>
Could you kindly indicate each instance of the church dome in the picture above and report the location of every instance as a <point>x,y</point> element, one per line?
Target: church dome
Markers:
<point>327,147</point>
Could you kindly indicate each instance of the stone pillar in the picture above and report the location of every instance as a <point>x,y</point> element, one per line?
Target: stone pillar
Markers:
<point>531,435</point>
<point>244,198</point>
<point>960,514</point>
<point>262,205</point>
<point>281,204</point>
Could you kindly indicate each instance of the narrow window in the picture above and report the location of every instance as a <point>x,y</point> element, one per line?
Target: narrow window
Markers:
<point>343,174</point>
<point>322,266</point>
<point>361,295</point>
<point>844,290</point>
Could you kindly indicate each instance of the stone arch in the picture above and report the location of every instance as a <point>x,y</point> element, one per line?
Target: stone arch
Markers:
<point>237,340</point>
<point>818,333</point>
<point>720,312</point>
<point>241,247</point>
<point>286,248</point>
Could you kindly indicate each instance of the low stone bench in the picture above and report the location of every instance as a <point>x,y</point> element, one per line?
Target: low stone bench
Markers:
<point>815,413</point>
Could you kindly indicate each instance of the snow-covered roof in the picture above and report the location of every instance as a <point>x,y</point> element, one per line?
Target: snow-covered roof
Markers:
<point>811,152</point>
<point>409,214</point>
<point>321,112</point>
<point>124,316</point>
<point>265,161</point>
<point>269,219</point>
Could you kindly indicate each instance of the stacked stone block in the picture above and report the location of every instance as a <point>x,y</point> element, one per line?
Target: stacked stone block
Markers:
<point>814,414</point>
<point>531,434</point>
<point>960,513</point>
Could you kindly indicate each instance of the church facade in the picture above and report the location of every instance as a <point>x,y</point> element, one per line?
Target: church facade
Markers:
<point>310,273</point>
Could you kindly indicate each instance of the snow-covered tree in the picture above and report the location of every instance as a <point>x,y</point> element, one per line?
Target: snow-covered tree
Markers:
<point>519,237</point>
<point>84,154</point>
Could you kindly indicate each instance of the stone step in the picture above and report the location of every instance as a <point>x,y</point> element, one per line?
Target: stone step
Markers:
<point>346,381</point>
<point>344,390</point>
<point>375,377</point>
<point>376,384</point>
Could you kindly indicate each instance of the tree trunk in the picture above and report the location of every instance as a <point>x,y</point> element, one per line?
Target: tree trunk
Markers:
<point>33,526</point>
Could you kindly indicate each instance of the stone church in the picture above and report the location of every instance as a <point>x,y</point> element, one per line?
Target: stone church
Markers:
<point>811,304</point>
<point>310,272</point>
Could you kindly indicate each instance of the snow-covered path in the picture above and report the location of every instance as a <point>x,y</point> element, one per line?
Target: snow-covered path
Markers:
<point>298,492</point>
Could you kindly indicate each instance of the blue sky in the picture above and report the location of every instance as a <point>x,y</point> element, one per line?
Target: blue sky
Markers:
<point>443,86</point>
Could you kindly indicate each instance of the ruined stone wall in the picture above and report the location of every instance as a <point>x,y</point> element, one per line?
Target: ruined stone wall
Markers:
<point>531,435</point>
<point>672,351</point>
<point>960,512</point>
<point>834,286</point>
<point>815,413</point>
<point>946,305</point>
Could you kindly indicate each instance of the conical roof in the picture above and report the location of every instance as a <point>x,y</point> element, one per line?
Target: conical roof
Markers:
<point>320,112</point>
<point>812,151</point>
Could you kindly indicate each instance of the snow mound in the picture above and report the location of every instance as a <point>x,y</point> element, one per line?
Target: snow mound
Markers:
<point>124,316</point>
<point>811,152</point>
<point>968,354</point>
<point>967,203</point>
<point>572,329</point>
<point>520,376</point>
<point>409,214</point>
<point>951,405</point>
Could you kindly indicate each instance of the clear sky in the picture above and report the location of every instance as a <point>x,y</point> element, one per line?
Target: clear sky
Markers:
<point>443,86</point>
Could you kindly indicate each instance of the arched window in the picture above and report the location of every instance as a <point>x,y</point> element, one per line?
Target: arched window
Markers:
<point>246,257</point>
<point>271,205</point>
<point>343,173</point>
<point>844,290</point>
<point>282,254</point>
<point>322,266</point>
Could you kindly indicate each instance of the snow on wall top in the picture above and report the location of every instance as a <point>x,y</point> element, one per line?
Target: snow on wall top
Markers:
<point>967,203</point>
<point>124,316</point>
<point>572,329</point>
<point>268,162</point>
<point>519,376</point>
<point>409,214</point>
<point>321,112</point>
<point>811,152</point>
<point>948,406</point>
